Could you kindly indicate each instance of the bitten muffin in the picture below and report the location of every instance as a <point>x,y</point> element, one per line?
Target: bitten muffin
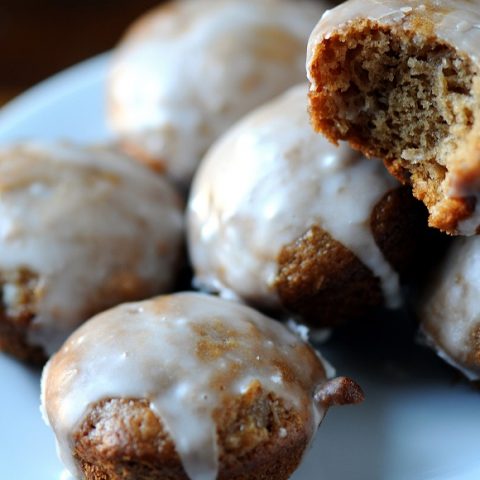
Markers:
<point>281,218</point>
<point>400,81</point>
<point>189,69</point>
<point>81,229</point>
<point>449,309</point>
<point>187,386</point>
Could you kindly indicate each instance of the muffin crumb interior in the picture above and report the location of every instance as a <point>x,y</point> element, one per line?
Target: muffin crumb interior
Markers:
<point>401,95</point>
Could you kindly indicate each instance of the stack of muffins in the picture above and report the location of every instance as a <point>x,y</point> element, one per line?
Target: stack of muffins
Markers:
<point>201,386</point>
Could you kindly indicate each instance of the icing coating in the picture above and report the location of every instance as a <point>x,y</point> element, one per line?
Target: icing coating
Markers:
<point>187,71</point>
<point>267,182</point>
<point>456,22</point>
<point>449,311</point>
<point>186,354</point>
<point>92,224</point>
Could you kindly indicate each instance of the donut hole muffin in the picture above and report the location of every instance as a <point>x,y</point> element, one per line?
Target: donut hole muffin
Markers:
<point>81,229</point>
<point>187,70</point>
<point>190,387</point>
<point>286,221</point>
<point>397,91</point>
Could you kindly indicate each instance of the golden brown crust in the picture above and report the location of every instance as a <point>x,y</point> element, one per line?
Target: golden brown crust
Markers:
<point>16,314</point>
<point>409,102</point>
<point>324,281</point>
<point>327,284</point>
<point>122,439</point>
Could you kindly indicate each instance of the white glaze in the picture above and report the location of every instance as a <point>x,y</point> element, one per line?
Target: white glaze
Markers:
<point>455,21</point>
<point>187,71</point>
<point>450,310</point>
<point>424,338</point>
<point>155,350</point>
<point>266,183</point>
<point>88,222</point>
<point>66,475</point>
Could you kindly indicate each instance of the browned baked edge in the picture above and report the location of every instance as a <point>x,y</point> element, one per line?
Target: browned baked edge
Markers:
<point>325,283</point>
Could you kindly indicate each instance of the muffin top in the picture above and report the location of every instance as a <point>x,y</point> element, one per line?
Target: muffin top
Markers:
<point>187,355</point>
<point>189,69</point>
<point>89,226</point>
<point>454,21</point>
<point>268,181</point>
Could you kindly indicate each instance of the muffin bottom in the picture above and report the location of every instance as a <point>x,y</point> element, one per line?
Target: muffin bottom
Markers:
<point>122,439</point>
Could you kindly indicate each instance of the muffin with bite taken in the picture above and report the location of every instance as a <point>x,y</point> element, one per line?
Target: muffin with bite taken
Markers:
<point>399,80</point>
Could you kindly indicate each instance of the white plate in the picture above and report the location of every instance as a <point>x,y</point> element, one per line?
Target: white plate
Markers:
<point>419,421</point>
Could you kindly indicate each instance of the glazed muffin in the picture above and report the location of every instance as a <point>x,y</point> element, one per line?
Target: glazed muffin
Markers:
<point>189,69</point>
<point>187,386</point>
<point>399,80</point>
<point>81,229</point>
<point>281,218</point>
<point>450,306</point>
